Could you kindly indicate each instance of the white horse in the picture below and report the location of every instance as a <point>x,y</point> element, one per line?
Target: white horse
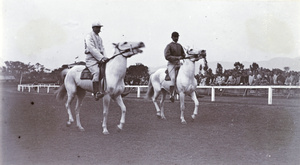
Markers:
<point>114,82</point>
<point>185,82</point>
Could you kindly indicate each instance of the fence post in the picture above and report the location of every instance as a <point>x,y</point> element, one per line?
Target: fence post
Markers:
<point>48,89</point>
<point>38,89</point>
<point>138,92</point>
<point>28,88</point>
<point>270,93</point>
<point>212,94</point>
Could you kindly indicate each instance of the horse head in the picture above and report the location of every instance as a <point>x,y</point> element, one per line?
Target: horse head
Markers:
<point>128,49</point>
<point>195,54</point>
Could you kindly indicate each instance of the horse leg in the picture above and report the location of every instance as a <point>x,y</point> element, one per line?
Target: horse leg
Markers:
<point>68,107</point>
<point>162,102</point>
<point>182,108</point>
<point>123,109</point>
<point>106,102</point>
<point>80,96</point>
<point>194,98</point>
<point>154,99</point>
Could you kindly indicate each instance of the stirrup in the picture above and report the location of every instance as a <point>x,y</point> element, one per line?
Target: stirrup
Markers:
<point>98,96</point>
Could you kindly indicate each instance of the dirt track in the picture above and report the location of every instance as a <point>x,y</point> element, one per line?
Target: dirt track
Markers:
<point>233,130</point>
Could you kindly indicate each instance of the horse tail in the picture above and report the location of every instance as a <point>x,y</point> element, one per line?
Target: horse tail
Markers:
<point>63,74</point>
<point>150,91</point>
<point>61,92</point>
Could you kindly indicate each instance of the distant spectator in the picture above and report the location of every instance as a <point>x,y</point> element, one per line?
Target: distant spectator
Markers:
<point>280,79</point>
<point>293,77</point>
<point>238,76</point>
<point>275,78</point>
<point>270,75</point>
<point>264,79</point>
<point>244,78</point>
<point>231,80</point>
<point>288,80</point>
<point>202,80</point>
<point>259,75</point>
<point>298,79</point>
<point>209,77</point>
<point>219,80</point>
<point>256,79</point>
<point>251,78</point>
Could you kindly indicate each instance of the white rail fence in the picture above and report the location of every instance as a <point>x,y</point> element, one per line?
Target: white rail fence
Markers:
<point>213,88</point>
<point>22,87</point>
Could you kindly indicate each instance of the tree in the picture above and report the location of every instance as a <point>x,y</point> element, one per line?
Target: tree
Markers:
<point>56,74</point>
<point>26,72</point>
<point>17,68</point>
<point>137,73</point>
<point>3,69</point>
<point>254,67</point>
<point>286,69</point>
<point>219,70</point>
<point>238,66</point>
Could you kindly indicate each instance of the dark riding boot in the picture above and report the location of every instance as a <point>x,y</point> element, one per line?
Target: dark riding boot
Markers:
<point>172,93</point>
<point>96,92</point>
<point>101,88</point>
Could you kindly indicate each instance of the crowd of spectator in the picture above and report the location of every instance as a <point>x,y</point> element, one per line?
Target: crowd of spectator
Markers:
<point>248,77</point>
<point>236,76</point>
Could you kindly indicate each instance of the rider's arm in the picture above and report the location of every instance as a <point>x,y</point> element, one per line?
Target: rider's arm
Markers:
<point>91,47</point>
<point>169,56</point>
<point>182,53</point>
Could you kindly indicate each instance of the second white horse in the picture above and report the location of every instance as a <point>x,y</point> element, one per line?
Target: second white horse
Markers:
<point>185,82</point>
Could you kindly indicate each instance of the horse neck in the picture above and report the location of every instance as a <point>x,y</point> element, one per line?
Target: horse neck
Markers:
<point>117,65</point>
<point>188,68</point>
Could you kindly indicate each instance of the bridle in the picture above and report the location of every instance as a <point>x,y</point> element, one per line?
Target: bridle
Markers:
<point>121,52</point>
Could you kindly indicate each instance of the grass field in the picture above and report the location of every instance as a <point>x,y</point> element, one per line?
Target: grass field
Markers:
<point>232,130</point>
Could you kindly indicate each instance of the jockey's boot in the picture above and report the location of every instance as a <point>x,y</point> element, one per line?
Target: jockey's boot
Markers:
<point>101,93</point>
<point>172,93</point>
<point>96,92</point>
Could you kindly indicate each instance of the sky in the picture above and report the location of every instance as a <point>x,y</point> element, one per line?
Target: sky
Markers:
<point>51,32</point>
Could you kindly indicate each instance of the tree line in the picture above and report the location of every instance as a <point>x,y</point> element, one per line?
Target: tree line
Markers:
<point>38,73</point>
<point>135,74</point>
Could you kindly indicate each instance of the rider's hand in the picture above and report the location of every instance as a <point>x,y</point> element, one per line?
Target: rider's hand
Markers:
<point>180,58</point>
<point>104,59</point>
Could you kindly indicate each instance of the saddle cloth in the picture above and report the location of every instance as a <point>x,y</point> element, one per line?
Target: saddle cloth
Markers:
<point>167,78</point>
<point>86,74</point>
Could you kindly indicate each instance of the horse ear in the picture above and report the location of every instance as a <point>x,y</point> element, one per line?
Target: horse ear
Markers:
<point>114,44</point>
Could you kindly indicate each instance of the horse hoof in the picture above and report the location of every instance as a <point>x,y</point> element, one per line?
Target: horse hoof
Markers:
<point>183,122</point>
<point>68,124</point>
<point>119,129</point>
<point>106,133</point>
<point>158,116</point>
<point>193,117</point>
<point>81,129</point>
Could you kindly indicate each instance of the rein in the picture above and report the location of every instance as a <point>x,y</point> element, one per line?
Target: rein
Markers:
<point>121,53</point>
<point>191,57</point>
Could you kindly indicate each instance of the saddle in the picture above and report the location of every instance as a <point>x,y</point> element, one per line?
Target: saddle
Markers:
<point>87,75</point>
<point>168,78</point>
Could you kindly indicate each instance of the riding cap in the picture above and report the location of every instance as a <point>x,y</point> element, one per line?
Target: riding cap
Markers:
<point>175,34</point>
<point>97,24</point>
